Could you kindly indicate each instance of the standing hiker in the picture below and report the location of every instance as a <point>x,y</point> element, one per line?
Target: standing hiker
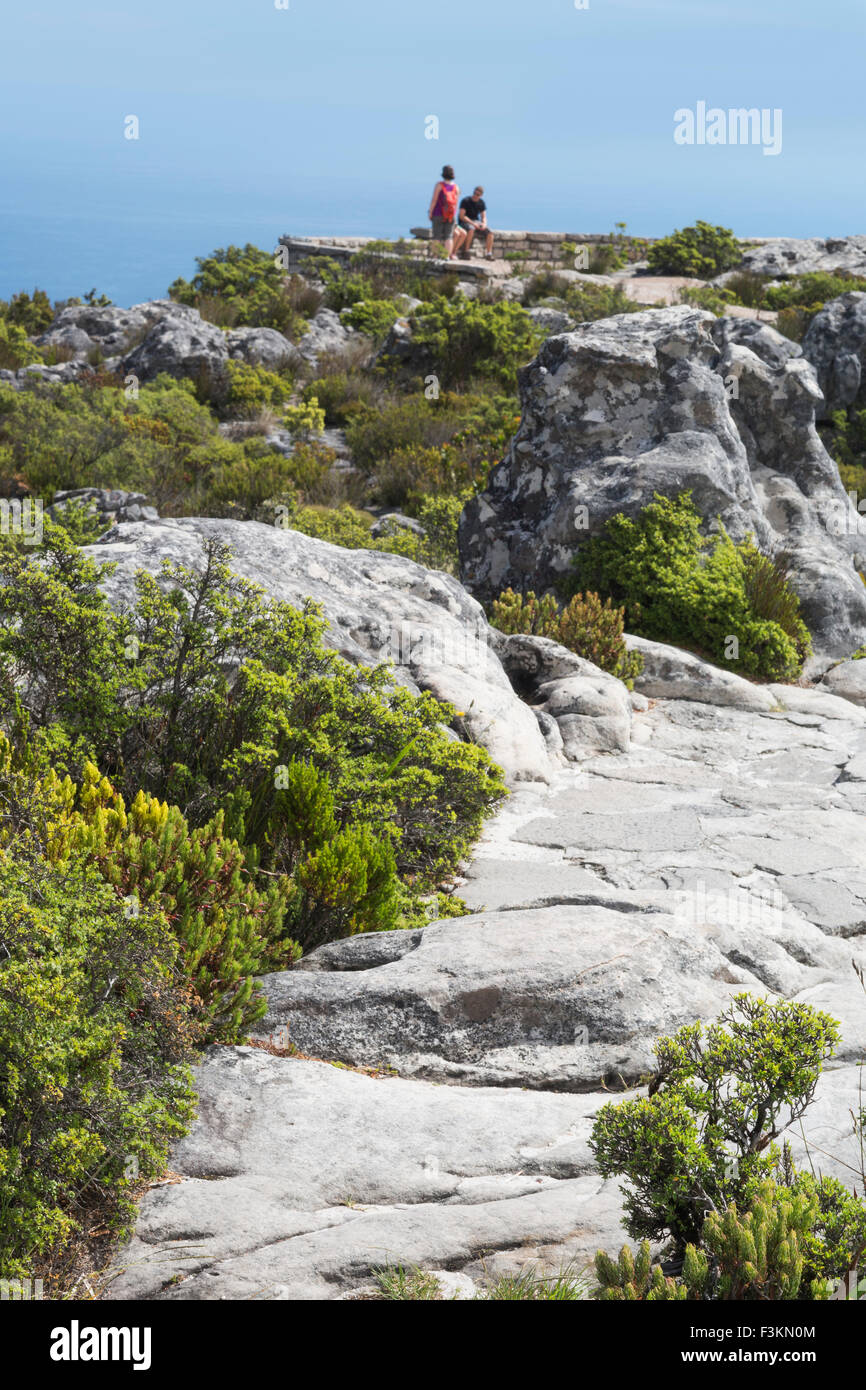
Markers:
<point>443,211</point>
<point>473,218</point>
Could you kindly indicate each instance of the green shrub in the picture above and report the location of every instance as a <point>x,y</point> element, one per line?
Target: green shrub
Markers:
<point>346,526</point>
<point>372,276</point>
<point>32,313</point>
<point>375,317</point>
<point>581,299</point>
<point>585,625</point>
<point>747,287</point>
<point>845,440</point>
<point>756,1256</point>
<point>228,930</point>
<point>304,419</point>
<point>81,521</point>
<point>812,290</point>
<point>465,339</point>
<point>716,298</point>
<point>172,720</point>
<point>675,585</point>
<point>701,251</point>
<point>718,1099</point>
<point>245,286</point>
<point>95,1032</point>
<point>341,393</point>
<point>16,349</point>
<point>165,443</point>
<point>251,389</point>
<point>398,440</point>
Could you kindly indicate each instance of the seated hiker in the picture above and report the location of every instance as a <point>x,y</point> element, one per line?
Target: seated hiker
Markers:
<point>473,218</point>
<point>443,211</point>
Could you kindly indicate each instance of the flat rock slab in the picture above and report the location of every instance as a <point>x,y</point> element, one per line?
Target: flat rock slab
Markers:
<point>555,998</point>
<point>299,1179</point>
<point>724,852</point>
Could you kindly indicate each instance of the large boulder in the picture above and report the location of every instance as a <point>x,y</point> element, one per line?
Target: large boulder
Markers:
<point>669,673</point>
<point>181,345</point>
<point>263,347</point>
<point>379,608</point>
<point>552,998</point>
<point>326,334</point>
<point>662,401</point>
<point>835,344</point>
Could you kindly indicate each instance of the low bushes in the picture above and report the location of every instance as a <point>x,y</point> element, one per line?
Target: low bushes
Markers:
<point>701,251</point>
<point>466,339</point>
<point>95,1034</point>
<point>728,601</point>
<point>587,626</point>
<point>845,440</point>
<point>241,286</point>
<point>165,443</point>
<point>203,691</point>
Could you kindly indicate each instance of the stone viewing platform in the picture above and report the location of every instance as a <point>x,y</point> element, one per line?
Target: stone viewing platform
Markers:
<point>510,247</point>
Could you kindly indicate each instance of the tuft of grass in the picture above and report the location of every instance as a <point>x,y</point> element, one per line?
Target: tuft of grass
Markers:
<point>407,1285</point>
<point>531,1285</point>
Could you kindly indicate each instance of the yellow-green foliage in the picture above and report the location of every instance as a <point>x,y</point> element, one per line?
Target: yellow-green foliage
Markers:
<point>756,1256</point>
<point>16,349</point>
<point>96,1025</point>
<point>592,629</point>
<point>228,930</point>
<point>304,419</point>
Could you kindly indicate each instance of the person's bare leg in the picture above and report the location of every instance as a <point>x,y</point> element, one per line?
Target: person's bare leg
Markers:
<point>469,236</point>
<point>489,245</point>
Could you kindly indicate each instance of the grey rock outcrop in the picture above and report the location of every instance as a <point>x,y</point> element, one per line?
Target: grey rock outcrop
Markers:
<point>380,607</point>
<point>471,1003</point>
<point>263,347</point>
<point>299,1180</point>
<point>181,345</point>
<point>847,680</point>
<point>550,320</point>
<point>835,344</point>
<point>326,333</point>
<point>580,707</point>
<point>662,401</point>
<point>162,336</point>
<point>110,505</point>
<point>669,673</point>
<point>113,330</point>
<point>786,256</point>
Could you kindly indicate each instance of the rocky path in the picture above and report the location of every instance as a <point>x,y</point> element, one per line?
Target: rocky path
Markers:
<point>726,850</point>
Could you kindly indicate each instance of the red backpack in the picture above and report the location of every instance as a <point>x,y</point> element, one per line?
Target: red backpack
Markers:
<point>447,202</point>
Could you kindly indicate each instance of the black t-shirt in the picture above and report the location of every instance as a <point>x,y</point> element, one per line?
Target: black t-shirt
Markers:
<point>473,209</point>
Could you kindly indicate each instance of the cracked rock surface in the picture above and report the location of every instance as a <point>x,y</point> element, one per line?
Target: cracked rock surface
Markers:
<point>724,850</point>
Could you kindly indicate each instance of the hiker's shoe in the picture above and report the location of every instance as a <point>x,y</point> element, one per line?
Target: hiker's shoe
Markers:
<point>489,256</point>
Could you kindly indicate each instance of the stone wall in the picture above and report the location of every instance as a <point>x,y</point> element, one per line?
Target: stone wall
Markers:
<point>534,246</point>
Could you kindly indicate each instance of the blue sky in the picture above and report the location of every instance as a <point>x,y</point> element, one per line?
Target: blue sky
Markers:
<point>256,121</point>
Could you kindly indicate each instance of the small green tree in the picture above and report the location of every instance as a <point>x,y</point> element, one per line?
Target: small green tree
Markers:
<point>719,1098</point>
